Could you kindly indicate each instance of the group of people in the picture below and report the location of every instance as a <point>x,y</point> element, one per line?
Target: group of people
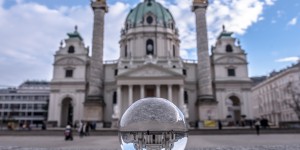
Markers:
<point>84,129</point>
<point>258,123</point>
<point>24,126</point>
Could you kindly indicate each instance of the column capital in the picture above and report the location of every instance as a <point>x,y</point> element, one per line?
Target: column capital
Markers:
<point>199,4</point>
<point>99,4</point>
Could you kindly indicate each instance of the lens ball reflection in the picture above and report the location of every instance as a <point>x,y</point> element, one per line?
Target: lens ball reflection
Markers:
<point>153,124</point>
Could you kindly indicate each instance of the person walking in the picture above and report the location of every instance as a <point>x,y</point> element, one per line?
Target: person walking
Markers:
<point>257,126</point>
<point>87,129</point>
<point>220,124</point>
<point>80,129</point>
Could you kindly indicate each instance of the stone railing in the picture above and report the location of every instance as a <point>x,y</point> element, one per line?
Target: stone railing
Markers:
<point>190,61</point>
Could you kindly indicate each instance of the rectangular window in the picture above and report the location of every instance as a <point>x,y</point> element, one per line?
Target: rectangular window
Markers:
<point>231,72</point>
<point>35,106</point>
<point>5,106</point>
<point>17,106</point>
<point>116,72</point>
<point>184,72</point>
<point>69,73</point>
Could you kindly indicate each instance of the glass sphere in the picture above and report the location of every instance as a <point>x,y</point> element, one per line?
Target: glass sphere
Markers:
<point>153,123</point>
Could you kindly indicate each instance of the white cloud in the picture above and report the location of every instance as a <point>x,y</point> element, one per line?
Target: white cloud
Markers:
<point>237,15</point>
<point>114,21</point>
<point>293,21</point>
<point>270,2</point>
<point>288,59</point>
<point>30,35</point>
<point>31,32</point>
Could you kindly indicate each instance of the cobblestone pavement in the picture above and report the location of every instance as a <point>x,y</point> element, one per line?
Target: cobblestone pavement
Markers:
<point>216,142</point>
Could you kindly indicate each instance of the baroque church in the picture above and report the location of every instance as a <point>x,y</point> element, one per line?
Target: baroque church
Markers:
<point>84,87</point>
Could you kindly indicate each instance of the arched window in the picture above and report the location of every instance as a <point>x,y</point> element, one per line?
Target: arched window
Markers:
<point>229,48</point>
<point>174,51</point>
<point>150,47</point>
<point>71,49</point>
<point>186,97</point>
<point>115,98</point>
<point>149,20</point>
<point>126,51</point>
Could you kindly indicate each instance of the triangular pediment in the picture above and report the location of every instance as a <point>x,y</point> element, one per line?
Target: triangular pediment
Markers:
<point>230,60</point>
<point>151,71</point>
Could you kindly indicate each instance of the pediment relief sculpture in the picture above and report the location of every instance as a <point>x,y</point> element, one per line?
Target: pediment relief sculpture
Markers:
<point>230,60</point>
<point>70,61</point>
<point>150,71</point>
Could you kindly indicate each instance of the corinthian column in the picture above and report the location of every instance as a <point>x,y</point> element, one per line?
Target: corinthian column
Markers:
<point>205,92</point>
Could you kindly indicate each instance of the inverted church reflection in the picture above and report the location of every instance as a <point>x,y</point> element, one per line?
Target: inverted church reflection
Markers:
<point>153,123</point>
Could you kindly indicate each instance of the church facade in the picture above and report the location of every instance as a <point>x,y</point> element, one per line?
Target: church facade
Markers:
<point>217,86</point>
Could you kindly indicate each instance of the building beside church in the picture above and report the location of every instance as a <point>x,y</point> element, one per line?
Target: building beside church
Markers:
<point>28,103</point>
<point>270,96</point>
<point>217,86</point>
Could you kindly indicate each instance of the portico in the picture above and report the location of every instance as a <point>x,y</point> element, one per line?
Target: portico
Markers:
<point>128,91</point>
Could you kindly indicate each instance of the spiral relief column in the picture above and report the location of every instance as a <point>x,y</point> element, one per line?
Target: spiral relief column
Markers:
<point>94,102</point>
<point>205,99</point>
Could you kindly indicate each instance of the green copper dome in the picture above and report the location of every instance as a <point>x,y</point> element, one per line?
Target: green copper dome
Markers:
<point>149,12</point>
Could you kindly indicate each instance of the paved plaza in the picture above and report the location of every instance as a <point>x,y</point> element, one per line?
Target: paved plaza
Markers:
<point>217,142</point>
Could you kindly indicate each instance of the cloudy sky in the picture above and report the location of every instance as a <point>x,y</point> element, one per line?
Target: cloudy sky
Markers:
<point>31,30</point>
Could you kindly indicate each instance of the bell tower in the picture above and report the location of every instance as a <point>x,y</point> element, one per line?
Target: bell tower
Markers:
<point>94,102</point>
<point>205,99</point>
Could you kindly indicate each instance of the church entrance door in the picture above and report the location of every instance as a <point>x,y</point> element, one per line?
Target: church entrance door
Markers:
<point>234,109</point>
<point>66,112</point>
<point>150,92</point>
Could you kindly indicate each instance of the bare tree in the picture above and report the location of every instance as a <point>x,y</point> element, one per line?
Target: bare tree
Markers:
<point>293,100</point>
